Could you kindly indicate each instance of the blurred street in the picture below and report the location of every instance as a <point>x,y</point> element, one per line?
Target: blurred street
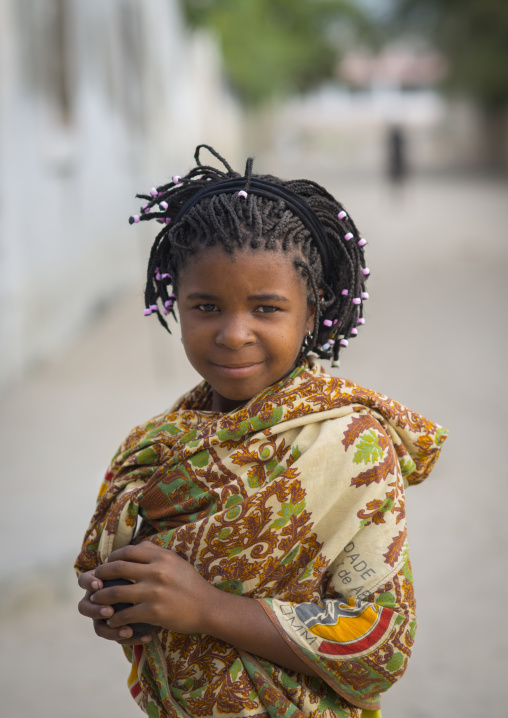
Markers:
<point>435,340</point>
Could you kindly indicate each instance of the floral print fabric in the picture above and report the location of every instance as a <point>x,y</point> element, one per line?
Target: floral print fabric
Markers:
<point>296,500</point>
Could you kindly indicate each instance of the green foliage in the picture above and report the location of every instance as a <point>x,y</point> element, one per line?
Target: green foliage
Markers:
<point>472,34</point>
<point>273,47</point>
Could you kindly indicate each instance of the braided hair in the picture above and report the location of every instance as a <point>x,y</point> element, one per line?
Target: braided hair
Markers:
<point>335,274</point>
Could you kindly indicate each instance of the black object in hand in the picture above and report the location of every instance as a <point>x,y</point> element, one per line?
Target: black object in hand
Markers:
<point>139,629</point>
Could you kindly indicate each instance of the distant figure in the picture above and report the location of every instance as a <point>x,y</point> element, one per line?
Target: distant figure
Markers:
<point>397,155</point>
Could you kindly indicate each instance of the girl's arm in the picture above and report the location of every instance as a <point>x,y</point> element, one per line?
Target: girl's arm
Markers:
<point>170,593</point>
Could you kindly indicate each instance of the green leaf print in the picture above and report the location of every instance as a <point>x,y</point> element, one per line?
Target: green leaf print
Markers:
<point>200,460</point>
<point>286,511</point>
<point>368,450</point>
<point>146,457</point>
<point>395,662</point>
<point>151,710</point>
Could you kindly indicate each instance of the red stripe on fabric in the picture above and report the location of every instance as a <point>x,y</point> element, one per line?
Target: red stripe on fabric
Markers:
<point>135,689</point>
<point>362,644</point>
<point>138,652</point>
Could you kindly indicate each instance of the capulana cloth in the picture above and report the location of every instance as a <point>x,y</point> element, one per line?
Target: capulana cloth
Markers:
<point>297,500</point>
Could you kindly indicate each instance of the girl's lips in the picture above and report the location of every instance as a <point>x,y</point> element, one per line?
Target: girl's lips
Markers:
<point>239,371</point>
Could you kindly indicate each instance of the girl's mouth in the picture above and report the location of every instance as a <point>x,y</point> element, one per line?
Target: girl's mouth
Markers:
<point>237,370</point>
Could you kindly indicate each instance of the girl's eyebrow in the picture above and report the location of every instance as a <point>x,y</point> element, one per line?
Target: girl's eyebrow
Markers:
<point>252,297</point>
<point>267,298</point>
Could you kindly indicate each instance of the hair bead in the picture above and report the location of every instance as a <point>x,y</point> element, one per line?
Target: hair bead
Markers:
<point>154,307</point>
<point>242,193</point>
<point>163,205</point>
<point>154,192</point>
<point>134,219</point>
<point>364,295</point>
<point>362,242</point>
<point>345,292</point>
<point>357,300</point>
<point>145,207</point>
<point>326,346</point>
<point>344,342</point>
<point>360,320</point>
<point>342,214</point>
<point>147,312</point>
<point>348,236</point>
<point>168,303</point>
<point>353,332</point>
<point>166,276</point>
<point>328,322</point>
<point>365,271</point>
<point>177,179</point>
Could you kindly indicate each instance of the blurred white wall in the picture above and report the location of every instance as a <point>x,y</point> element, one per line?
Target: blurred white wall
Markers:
<point>98,100</point>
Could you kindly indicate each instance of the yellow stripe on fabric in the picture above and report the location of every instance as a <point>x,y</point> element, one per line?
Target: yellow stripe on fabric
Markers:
<point>371,714</point>
<point>347,628</point>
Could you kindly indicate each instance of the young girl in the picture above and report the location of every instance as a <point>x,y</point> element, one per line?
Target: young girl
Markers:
<point>259,524</point>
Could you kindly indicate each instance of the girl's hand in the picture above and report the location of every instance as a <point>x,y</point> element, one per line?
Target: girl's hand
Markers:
<point>167,590</point>
<point>101,613</point>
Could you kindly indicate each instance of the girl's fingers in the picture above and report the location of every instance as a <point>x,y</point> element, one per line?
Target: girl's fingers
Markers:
<point>89,581</point>
<point>91,609</point>
<point>121,635</point>
<point>141,553</point>
<point>120,569</point>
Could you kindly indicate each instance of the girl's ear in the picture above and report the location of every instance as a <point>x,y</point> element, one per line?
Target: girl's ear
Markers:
<point>311,312</point>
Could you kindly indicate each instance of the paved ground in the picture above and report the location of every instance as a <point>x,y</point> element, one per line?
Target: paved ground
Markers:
<point>435,340</point>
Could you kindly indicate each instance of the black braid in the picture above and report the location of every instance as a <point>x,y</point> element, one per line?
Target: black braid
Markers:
<point>257,222</point>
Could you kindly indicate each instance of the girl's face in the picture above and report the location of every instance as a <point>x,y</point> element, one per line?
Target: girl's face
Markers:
<point>243,317</point>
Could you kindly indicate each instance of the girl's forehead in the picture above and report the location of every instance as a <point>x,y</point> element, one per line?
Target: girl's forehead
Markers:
<point>248,267</point>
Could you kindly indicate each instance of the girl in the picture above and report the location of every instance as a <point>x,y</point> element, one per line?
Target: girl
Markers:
<point>269,568</point>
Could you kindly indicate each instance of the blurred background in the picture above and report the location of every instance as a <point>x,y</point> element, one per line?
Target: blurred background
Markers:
<point>400,108</point>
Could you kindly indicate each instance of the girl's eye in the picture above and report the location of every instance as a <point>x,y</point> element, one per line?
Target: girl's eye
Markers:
<point>207,307</point>
<point>267,309</point>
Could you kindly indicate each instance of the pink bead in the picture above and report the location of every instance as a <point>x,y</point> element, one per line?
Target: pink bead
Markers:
<point>158,277</point>
<point>362,242</point>
<point>357,300</point>
<point>154,192</point>
<point>342,214</point>
<point>147,312</point>
<point>163,205</point>
<point>168,220</point>
<point>176,179</point>
<point>345,292</point>
<point>365,295</point>
<point>354,332</point>
<point>328,322</point>
<point>242,193</point>
<point>154,307</point>
<point>335,322</point>
<point>164,310</point>
<point>343,342</point>
<point>331,342</point>
<point>136,218</point>
<point>166,276</point>
<point>366,271</point>
<point>145,207</point>
<point>168,303</point>
<point>348,236</point>
<point>360,320</point>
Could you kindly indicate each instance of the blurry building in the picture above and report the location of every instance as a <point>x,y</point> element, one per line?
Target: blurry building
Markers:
<point>98,100</point>
<point>374,93</point>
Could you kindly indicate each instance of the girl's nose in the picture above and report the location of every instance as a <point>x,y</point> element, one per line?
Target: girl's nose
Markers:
<point>235,333</point>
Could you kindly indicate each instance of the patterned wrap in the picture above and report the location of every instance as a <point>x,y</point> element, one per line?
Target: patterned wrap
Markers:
<point>297,500</point>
